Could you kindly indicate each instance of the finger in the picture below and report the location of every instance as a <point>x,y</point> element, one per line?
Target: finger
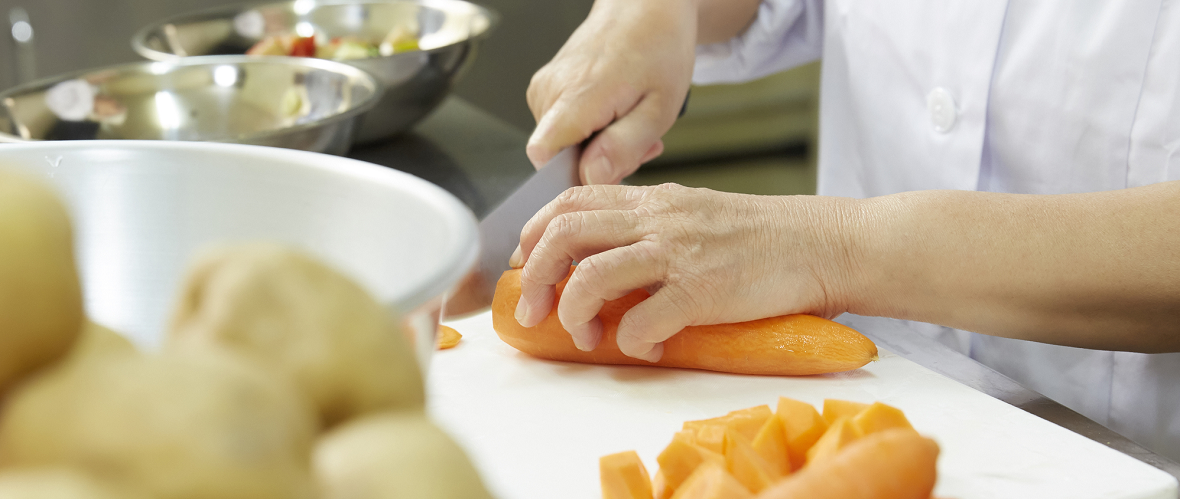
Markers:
<point>621,147</point>
<point>606,276</point>
<point>656,150</point>
<point>570,237</point>
<point>536,298</point>
<point>644,328</point>
<point>572,119</point>
<point>539,95</point>
<point>584,198</point>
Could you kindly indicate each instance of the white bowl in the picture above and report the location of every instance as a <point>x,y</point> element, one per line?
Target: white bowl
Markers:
<point>142,209</point>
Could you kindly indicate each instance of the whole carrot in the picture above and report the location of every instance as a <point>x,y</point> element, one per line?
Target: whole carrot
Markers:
<point>786,345</point>
<point>891,464</point>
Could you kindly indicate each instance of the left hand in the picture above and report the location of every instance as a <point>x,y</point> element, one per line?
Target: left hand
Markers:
<point>707,257</point>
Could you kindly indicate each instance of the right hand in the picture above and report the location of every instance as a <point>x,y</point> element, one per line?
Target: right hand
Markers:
<point>625,71</point>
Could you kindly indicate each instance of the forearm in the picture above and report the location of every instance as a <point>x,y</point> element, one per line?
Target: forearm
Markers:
<point>717,20</point>
<point>1098,270</point>
<point>720,20</point>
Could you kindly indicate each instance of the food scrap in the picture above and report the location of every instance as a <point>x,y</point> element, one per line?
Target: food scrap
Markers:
<point>448,337</point>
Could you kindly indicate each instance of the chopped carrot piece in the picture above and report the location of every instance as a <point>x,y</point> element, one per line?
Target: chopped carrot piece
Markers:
<point>659,486</point>
<point>746,422</point>
<point>623,476</point>
<point>878,417</point>
<point>771,444</point>
<point>681,457</point>
<point>838,436</point>
<point>745,464</point>
<point>448,337</point>
<point>836,409</point>
<point>890,464</point>
<point>803,427</point>
<point>711,481</point>
<point>712,436</point>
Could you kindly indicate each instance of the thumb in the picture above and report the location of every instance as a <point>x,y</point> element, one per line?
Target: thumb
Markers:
<point>627,143</point>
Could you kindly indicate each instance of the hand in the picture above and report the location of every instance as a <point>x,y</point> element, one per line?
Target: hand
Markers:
<point>707,258</point>
<point>625,71</point>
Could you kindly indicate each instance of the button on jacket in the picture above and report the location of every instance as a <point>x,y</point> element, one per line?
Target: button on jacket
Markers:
<point>1022,96</point>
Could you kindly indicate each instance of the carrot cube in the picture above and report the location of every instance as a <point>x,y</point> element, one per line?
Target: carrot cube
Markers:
<point>681,457</point>
<point>802,425</point>
<point>836,409</point>
<point>711,481</point>
<point>746,465</point>
<point>838,436</point>
<point>878,417</point>
<point>771,444</point>
<point>623,476</point>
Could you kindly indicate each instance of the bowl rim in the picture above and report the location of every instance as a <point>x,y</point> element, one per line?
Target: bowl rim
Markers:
<point>459,257</point>
<point>375,85</point>
<point>138,40</point>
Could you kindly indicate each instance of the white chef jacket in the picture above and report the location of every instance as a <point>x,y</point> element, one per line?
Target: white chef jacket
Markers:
<point>1023,96</point>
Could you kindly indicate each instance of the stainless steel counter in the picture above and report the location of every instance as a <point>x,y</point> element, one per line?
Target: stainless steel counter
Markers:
<point>481,160</point>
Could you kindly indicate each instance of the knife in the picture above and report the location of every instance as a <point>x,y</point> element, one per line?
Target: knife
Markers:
<point>499,231</point>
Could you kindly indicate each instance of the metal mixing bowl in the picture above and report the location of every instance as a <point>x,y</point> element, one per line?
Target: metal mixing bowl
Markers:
<point>291,102</point>
<point>415,81</point>
<point>142,209</point>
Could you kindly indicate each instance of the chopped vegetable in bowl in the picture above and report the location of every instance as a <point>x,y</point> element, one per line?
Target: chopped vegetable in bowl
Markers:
<point>340,48</point>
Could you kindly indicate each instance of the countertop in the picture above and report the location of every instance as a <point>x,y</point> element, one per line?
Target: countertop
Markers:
<point>481,160</point>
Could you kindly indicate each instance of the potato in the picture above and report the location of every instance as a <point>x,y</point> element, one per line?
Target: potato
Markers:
<point>302,318</point>
<point>40,297</point>
<point>178,426</point>
<point>58,483</point>
<point>394,455</point>
<point>96,342</point>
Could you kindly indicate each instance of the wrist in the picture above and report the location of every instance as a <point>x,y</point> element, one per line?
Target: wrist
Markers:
<point>818,242</point>
<point>886,264</point>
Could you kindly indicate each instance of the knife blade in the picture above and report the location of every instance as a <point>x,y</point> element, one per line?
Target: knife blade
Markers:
<point>499,231</point>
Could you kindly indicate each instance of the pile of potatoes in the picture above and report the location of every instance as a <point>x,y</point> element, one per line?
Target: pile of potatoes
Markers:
<point>279,378</point>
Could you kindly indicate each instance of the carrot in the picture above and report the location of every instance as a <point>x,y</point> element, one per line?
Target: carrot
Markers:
<point>711,481</point>
<point>835,409</point>
<point>786,345</point>
<point>896,463</point>
<point>623,476</point>
<point>448,337</point>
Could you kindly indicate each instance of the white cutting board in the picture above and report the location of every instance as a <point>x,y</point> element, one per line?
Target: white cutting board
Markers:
<point>535,429</point>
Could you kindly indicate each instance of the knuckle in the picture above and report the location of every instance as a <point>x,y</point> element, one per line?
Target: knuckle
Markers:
<point>592,275</point>
<point>564,226</point>
<point>573,198</point>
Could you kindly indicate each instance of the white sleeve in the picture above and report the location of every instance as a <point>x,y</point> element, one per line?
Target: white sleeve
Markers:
<point>785,34</point>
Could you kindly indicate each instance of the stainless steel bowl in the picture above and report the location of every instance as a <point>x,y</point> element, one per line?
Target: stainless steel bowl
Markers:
<point>291,102</point>
<point>142,209</point>
<point>415,81</point>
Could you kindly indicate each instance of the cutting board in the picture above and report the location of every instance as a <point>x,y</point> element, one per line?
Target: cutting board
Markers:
<point>535,429</point>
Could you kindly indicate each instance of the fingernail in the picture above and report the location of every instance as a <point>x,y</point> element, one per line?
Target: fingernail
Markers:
<point>589,340</point>
<point>522,311</point>
<point>600,172</point>
<point>514,260</point>
<point>655,354</point>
